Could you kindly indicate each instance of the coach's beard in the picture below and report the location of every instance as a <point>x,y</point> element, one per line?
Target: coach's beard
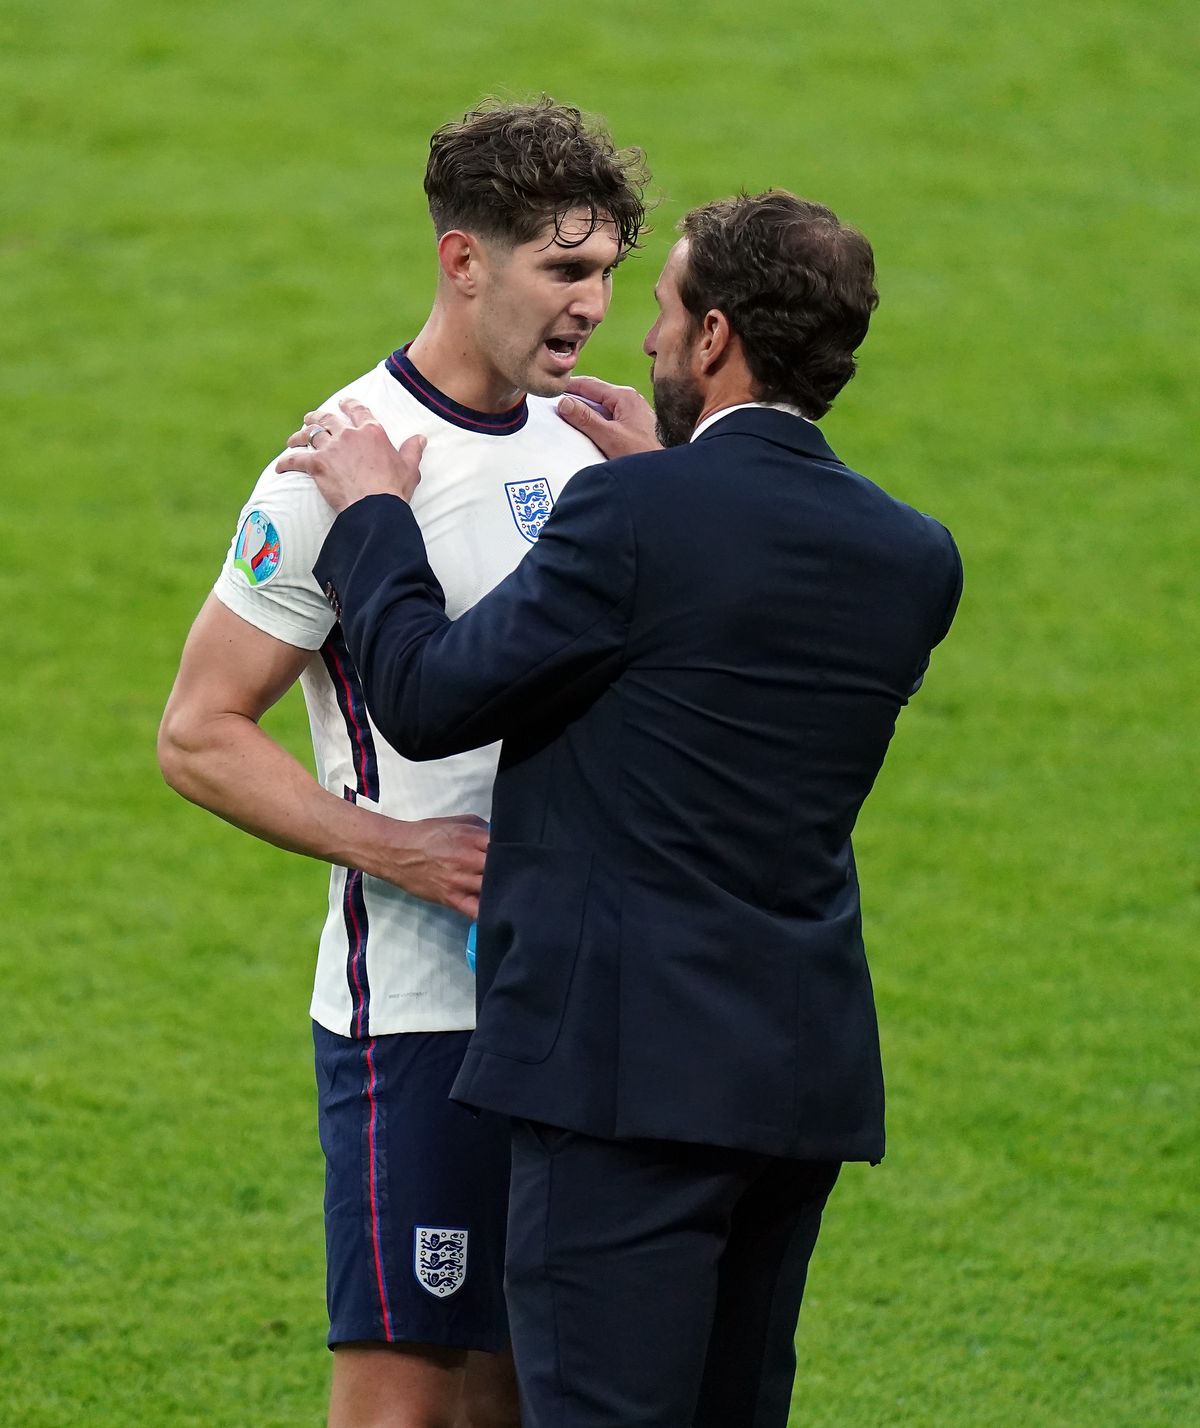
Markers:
<point>678,403</point>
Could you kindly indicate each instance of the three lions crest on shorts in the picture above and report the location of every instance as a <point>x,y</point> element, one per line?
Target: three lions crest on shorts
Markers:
<point>440,1259</point>
<point>530,503</point>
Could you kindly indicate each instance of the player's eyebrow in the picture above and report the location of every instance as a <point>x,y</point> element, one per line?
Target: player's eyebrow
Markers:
<point>561,256</point>
<point>566,259</point>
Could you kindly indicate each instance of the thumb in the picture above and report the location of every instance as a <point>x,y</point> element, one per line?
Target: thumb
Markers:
<point>411,451</point>
<point>577,413</point>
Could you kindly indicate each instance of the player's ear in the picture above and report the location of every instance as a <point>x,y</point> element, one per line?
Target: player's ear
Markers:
<point>458,256</point>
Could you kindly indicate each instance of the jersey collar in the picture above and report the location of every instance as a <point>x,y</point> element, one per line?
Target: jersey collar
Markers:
<point>484,423</point>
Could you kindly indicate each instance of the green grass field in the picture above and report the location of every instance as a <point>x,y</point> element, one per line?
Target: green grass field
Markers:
<point>211,218</point>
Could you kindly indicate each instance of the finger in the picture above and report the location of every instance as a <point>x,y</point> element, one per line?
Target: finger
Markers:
<point>471,849</point>
<point>606,393</point>
<point>299,438</point>
<point>356,412</point>
<point>299,458</point>
<point>582,413</point>
<point>333,422</point>
<point>411,452</point>
<point>462,891</point>
<point>465,902</point>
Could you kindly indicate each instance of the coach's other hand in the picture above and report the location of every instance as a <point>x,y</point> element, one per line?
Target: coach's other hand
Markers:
<point>350,456</point>
<point>625,423</point>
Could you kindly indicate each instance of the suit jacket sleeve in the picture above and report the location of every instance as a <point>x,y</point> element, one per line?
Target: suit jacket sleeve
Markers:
<point>552,634</point>
<point>954,586</point>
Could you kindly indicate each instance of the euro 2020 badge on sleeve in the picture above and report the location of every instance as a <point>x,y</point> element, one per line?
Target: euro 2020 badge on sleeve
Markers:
<point>530,503</point>
<point>257,552</point>
<point>440,1259</point>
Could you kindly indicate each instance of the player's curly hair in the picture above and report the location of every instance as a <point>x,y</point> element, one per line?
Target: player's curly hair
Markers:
<point>796,284</point>
<point>506,170</point>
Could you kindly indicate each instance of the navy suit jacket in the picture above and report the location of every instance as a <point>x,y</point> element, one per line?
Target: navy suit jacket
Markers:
<point>695,672</point>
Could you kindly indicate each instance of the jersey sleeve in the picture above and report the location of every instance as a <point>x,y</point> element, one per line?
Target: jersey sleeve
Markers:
<point>267,576</point>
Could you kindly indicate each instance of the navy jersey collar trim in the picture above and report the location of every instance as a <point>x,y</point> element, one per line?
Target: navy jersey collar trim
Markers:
<point>486,423</point>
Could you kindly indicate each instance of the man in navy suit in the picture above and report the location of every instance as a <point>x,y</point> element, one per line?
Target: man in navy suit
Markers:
<point>695,672</point>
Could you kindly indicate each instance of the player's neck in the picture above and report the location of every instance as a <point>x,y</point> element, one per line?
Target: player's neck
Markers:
<point>447,356</point>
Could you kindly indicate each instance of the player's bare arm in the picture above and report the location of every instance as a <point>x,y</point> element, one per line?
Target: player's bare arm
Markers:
<point>624,424</point>
<point>212,751</point>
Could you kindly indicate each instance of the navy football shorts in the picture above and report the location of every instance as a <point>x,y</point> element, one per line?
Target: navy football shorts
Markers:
<point>416,1194</point>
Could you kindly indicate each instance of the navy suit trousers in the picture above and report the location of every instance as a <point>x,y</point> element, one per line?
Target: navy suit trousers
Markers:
<point>654,1284</point>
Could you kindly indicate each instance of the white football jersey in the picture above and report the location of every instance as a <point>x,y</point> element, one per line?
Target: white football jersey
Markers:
<point>388,961</point>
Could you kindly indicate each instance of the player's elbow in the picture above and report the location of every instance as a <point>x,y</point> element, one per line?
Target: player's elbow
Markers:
<point>169,750</point>
<point>176,749</point>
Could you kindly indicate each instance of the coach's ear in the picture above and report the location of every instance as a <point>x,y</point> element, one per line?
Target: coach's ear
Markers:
<point>459,257</point>
<point>716,340</point>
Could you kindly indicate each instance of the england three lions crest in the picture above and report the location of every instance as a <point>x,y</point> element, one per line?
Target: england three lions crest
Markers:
<point>440,1259</point>
<point>530,503</point>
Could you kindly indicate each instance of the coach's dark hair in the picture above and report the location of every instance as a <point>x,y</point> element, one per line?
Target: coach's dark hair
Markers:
<point>797,286</point>
<point>505,171</point>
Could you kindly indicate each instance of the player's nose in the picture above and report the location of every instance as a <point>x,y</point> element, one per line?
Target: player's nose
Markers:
<point>591,301</point>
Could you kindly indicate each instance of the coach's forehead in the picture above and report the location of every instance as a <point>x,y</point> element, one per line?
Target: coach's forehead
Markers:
<point>671,277</point>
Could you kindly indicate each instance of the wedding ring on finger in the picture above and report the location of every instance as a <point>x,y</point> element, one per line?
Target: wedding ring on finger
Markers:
<point>312,432</point>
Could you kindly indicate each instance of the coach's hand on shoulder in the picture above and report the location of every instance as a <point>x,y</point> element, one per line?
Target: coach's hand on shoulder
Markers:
<point>437,859</point>
<point>350,456</point>
<point>623,425</point>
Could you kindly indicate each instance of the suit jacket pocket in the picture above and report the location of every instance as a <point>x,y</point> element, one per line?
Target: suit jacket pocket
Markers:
<point>530,921</point>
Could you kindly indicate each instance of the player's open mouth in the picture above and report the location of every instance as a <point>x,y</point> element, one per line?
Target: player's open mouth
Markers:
<point>563,350</point>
